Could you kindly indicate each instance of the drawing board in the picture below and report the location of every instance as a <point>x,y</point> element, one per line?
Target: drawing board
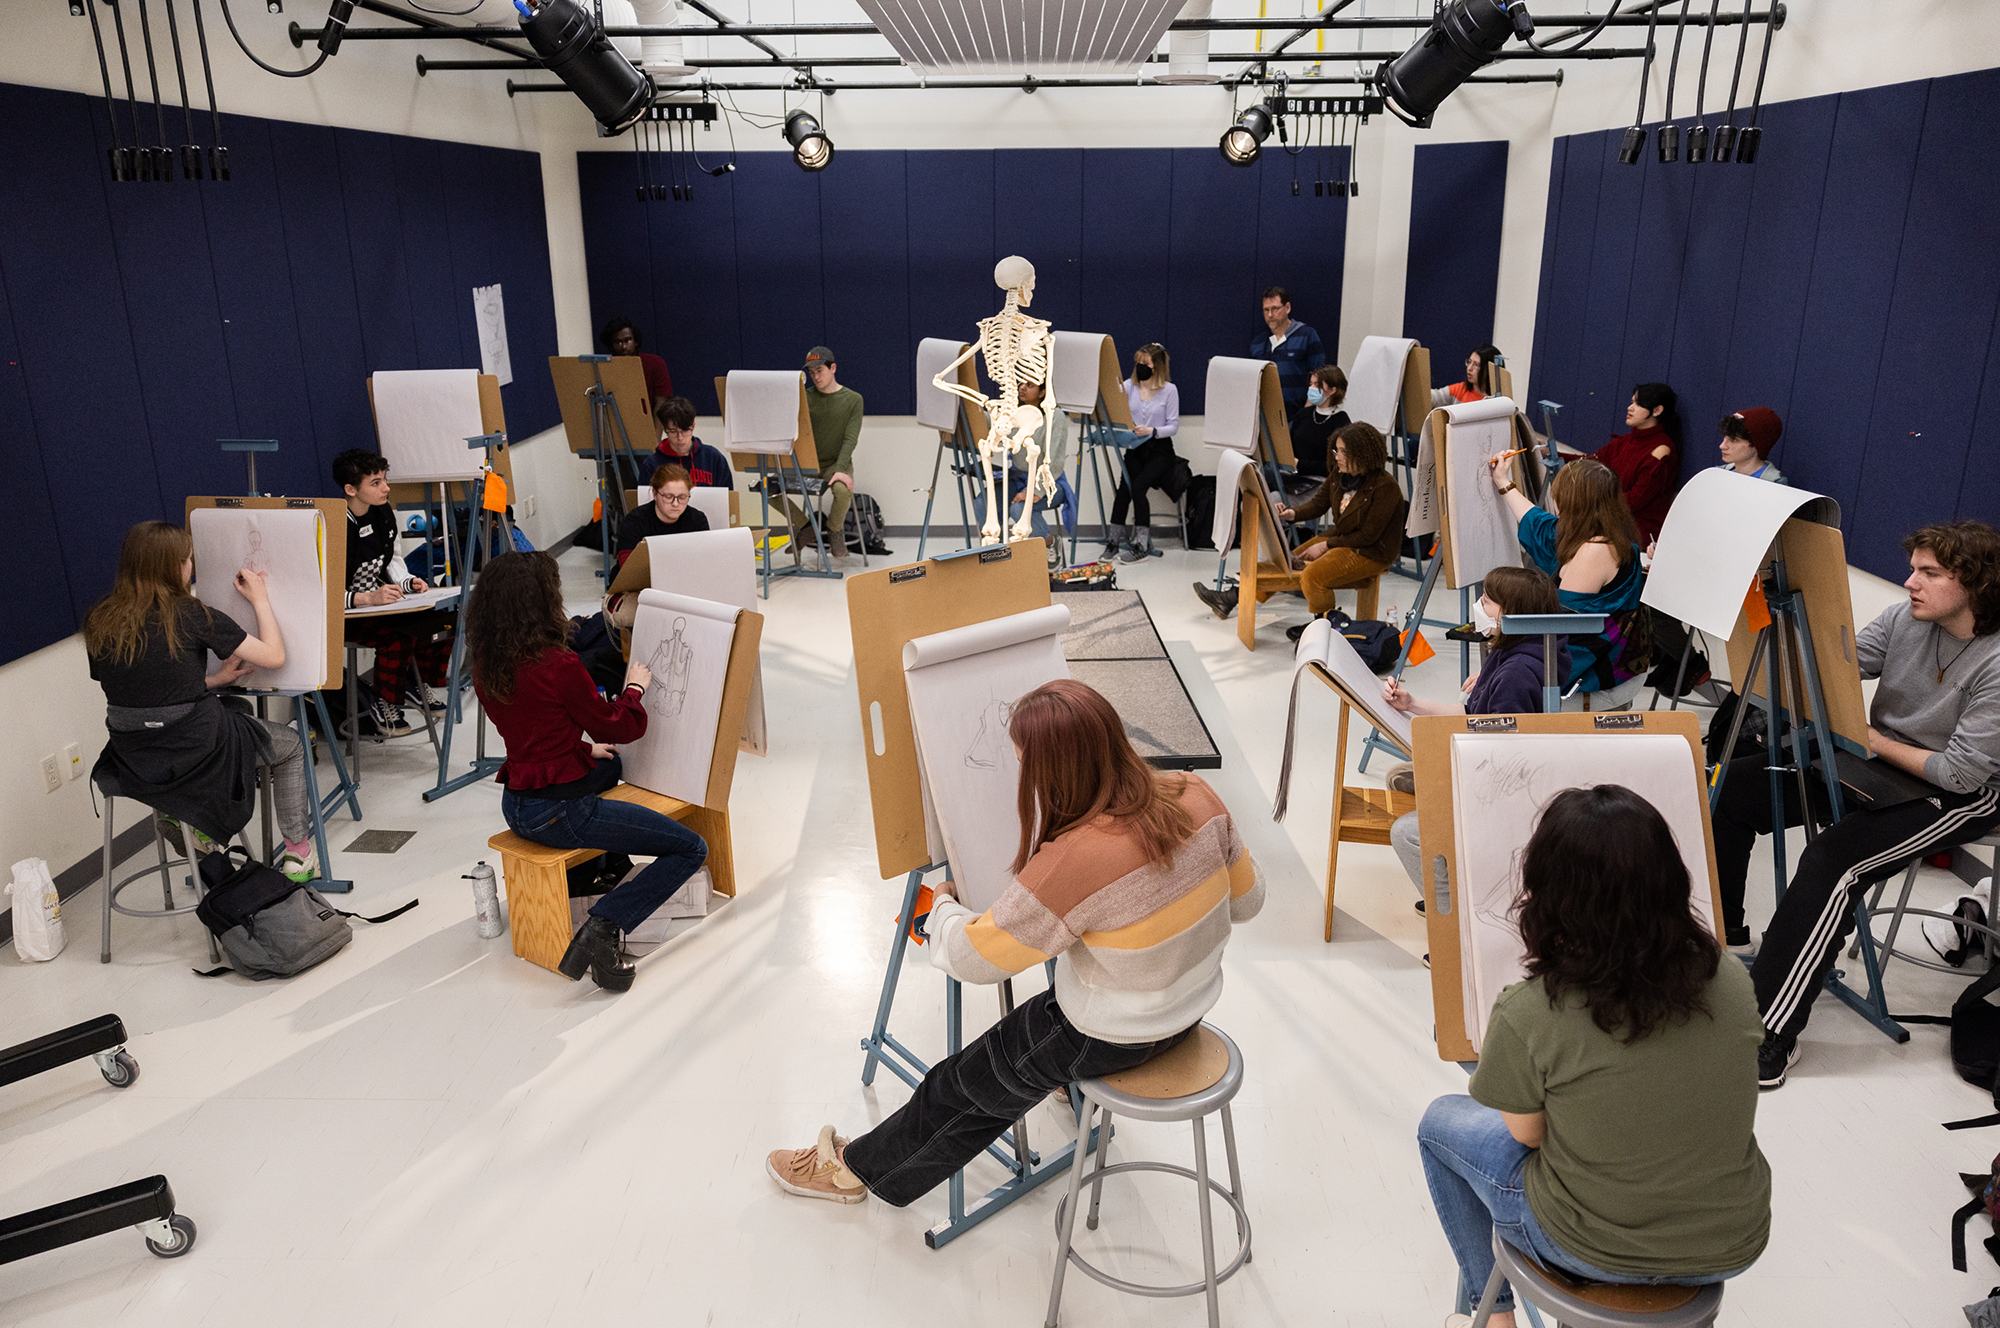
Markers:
<point>1088,372</point>
<point>1331,657</point>
<point>1229,467</point>
<point>422,419</point>
<point>1481,784</point>
<point>963,685</point>
<point>624,378</point>
<point>1375,382</point>
<point>1481,531</point>
<point>687,643</point>
<point>288,541</point>
<point>492,420</point>
<point>764,409</point>
<point>718,565</point>
<point>802,450</point>
<point>1717,535</point>
<point>889,607</point>
<point>1815,563</point>
<point>1235,404</point>
<point>937,408</point>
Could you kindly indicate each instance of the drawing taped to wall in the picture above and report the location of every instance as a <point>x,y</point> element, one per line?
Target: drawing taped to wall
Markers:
<point>686,643</point>
<point>288,549</point>
<point>489,312</point>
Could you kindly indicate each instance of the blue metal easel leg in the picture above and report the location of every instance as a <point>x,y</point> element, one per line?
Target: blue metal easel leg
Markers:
<point>1375,742</point>
<point>325,884</point>
<point>348,789</point>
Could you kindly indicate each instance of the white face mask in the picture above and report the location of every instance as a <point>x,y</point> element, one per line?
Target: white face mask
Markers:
<point>1483,620</point>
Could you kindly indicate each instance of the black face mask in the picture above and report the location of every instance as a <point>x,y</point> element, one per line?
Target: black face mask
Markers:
<point>1141,372</point>
<point>1349,483</point>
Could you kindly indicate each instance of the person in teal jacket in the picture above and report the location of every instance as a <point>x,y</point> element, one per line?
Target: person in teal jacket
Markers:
<point>1587,541</point>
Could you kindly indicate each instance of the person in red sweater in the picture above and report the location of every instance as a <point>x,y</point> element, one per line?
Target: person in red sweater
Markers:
<point>1647,461</point>
<point>542,700</point>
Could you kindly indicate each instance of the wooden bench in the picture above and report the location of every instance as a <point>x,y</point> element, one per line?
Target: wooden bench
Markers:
<point>1259,578</point>
<point>537,876</point>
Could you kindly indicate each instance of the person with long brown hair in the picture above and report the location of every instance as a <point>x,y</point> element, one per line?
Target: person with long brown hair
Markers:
<point>1585,538</point>
<point>172,744</point>
<point>1609,1129</point>
<point>1130,879</point>
<point>543,701</point>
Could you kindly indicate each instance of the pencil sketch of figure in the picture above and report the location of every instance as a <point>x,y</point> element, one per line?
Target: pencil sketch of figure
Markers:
<point>257,560</point>
<point>670,662</point>
<point>988,750</point>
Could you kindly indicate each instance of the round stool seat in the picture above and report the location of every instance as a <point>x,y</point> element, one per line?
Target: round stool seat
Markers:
<point>1195,1078</point>
<point>1579,1304</point>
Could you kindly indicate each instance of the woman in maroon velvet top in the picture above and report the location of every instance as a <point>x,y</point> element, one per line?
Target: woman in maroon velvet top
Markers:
<point>543,701</point>
<point>1647,461</point>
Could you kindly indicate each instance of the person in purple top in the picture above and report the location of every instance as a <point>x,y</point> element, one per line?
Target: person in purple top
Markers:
<point>1151,463</point>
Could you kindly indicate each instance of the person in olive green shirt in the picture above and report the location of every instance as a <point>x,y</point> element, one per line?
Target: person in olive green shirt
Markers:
<point>836,424</point>
<point>1609,1132</point>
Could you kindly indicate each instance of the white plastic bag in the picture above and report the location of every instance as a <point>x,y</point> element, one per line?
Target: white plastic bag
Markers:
<point>38,928</point>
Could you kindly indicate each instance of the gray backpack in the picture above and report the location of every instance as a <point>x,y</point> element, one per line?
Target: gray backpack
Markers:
<point>268,925</point>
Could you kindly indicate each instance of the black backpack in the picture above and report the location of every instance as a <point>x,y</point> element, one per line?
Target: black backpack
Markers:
<point>864,527</point>
<point>268,925</point>
<point>1377,643</point>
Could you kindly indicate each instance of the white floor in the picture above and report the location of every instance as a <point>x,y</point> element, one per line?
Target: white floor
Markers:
<point>428,1131</point>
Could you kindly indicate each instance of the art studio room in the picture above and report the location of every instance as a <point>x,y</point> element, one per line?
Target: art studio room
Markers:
<point>1129,662</point>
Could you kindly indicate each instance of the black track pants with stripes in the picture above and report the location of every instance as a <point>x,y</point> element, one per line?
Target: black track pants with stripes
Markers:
<point>1816,916</point>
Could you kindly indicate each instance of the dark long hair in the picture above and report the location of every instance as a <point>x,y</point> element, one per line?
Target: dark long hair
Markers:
<point>1522,590</point>
<point>514,617</point>
<point>1077,764</point>
<point>1604,912</point>
<point>1651,395</point>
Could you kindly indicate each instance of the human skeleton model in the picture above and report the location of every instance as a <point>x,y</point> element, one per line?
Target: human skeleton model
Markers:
<point>1017,349</point>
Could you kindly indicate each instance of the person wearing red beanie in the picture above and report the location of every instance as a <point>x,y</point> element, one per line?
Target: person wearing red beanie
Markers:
<point>1747,439</point>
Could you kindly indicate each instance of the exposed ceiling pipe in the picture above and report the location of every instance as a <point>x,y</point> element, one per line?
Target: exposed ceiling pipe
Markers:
<point>661,55</point>
<point>1187,51</point>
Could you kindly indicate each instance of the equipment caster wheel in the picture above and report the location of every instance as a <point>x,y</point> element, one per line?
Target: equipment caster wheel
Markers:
<point>119,1069</point>
<point>184,1234</point>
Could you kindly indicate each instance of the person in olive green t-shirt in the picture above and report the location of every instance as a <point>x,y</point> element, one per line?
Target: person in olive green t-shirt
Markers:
<point>1609,1131</point>
<point>835,412</point>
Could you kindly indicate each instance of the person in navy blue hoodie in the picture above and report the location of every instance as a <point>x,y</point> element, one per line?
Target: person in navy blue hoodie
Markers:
<point>1508,683</point>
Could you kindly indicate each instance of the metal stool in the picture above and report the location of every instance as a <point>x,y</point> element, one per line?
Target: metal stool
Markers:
<point>1597,1304</point>
<point>164,870</point>
<point>1886,947</point>
<point>1198,1077</point>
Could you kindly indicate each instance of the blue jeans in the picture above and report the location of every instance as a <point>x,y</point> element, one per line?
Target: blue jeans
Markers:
<point>619,827</point>
<point>1473,1167</point>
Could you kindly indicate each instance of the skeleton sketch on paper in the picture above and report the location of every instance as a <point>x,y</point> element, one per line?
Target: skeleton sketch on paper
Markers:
<point>257,560</point>
<point>669,664</point>
<point>989,744</point>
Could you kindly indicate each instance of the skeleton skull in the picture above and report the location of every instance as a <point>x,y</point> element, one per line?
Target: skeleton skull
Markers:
<point>1016,274</point>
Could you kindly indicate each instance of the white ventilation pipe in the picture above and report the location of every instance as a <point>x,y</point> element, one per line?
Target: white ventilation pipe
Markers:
<point>661,56</point>
<point>1187,52</point>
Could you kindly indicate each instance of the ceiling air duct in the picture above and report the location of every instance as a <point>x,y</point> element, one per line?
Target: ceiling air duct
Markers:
<point>661,56</point>
<point>1187,52</point>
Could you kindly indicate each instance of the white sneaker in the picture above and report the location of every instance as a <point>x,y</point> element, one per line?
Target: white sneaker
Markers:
<point>388,720</point>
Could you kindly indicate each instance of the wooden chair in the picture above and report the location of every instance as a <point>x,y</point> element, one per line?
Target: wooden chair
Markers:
<point>537,876</point>
<point>1360,815</point>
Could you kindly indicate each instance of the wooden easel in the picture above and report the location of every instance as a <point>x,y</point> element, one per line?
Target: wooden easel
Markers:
<point>771,469</point>
<point>1096,437</point>
<point>635,576</point>
<point>417,493</point>
<point>962,442</point>
<point>604,408</point>
<point>1361,815</point>
<point>1437,823</point>
<point>886,610</point>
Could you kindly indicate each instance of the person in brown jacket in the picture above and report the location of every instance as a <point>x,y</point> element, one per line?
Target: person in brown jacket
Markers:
<point>1367,529</point>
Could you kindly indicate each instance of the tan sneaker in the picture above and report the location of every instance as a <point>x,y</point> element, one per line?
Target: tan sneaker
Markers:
<point>816,1172</point>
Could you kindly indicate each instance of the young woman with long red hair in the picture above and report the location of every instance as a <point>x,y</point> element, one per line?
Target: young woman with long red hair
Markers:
<point>1130,880</point>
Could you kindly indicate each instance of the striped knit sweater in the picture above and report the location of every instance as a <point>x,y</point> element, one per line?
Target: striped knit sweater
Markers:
<point>1139,942</point>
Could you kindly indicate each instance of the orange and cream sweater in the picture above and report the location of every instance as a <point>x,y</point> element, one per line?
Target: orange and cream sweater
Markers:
<point>1138,941</point>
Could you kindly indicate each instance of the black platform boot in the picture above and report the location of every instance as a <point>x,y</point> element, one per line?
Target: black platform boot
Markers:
<point>596,947</point>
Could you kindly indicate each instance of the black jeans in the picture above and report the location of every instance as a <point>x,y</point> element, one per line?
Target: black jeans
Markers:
<point>620,827</point>
<point>1148,465</point>
<point>1745,813</point>
<point>969,1100</point>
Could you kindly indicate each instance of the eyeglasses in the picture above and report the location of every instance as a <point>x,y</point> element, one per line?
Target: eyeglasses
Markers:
<point>679,433</point>
<point>674,499</point>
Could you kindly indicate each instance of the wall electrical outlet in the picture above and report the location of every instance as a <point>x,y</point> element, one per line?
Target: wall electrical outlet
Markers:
<point>74,754</point>
<point>51,776</point>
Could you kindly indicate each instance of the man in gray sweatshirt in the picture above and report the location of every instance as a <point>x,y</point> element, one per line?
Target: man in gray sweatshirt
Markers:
<point>1936,716</point>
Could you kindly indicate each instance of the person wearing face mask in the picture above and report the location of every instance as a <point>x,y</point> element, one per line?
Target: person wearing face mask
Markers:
<point>1315,423</point>
<point>1647,460</point>
<point>1155,404</point>
<point>1747,439</point>
<point>1479,382</point>
<point>1367,526</point>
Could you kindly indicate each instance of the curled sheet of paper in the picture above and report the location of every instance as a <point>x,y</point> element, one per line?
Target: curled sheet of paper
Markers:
<point>1333,657</point>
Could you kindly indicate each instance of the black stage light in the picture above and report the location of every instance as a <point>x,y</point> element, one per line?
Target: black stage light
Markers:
<point>811,148</point>
<point>1746,145</point>
<point>1462,39</point>
<point>1242,141</point>
<point>337,14</point>
<point>1698,144</point>
<point>576,51</point>
<point>1670,143</point>
<point>1634,144</point>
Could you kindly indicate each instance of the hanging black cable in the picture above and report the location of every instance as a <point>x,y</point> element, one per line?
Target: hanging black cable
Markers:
<point>139,166</point>
<point>190,154</point>
<point>727,166</point>
<point>312,68</point>
<point>639,162</point>
<point>1635,137</point>
<point>218,155</point>
<point>1698,136</point>
<point>1588,37</point>
<point>114,153</point>
<point>1750,139</point>
<point>163,156</point>
<point>1670,133</point>
<point>1725,133</point>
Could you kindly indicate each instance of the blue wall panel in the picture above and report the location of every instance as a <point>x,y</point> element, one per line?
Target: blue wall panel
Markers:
<point>1659,256</point>
<point>1043,222</point>
<point>1458,195</point>
<point>1940,321</point>
<point>1704,314</point>
<point>1301,242</point>
<point>1545,286</point>
<point>949,210</point>
<point>1978,493</point>
<point>514,211</point>
<point>1128,198</point>
<point>440,313</point>
<point>778,260</point>
<point>39,611</point>
<point>375,244</point>
<point>617,250</point>
<point>1211,269</point>
<point>1559,322</point>
<point>867,279</point>
<point>697,326</point>
<point>1598,412</point>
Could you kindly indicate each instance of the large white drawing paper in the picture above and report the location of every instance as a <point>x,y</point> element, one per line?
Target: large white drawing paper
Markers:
<point>718,565</point>
<point>1500,784</point>
<point>762,411</point>
<point>434,598</point>
<point>422,419</point>
<point>1233,408</point>
<point>1426,495</point>
<point>1482,531</point>
<point>712,503</point>
<point>936,408</point>
<point>489,314</point>
<point>685,642</point>
<point>1078,355</point>
<point>1717,534</point>
<point>1375,383</point>
<point>1229,467</point>
<point>289,548</point>
<point>963,685</point>
<point>1333,657</point>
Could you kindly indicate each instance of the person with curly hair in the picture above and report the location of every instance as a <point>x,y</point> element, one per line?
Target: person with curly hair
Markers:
<point>1936,716</point>
<point>1608,1132</point>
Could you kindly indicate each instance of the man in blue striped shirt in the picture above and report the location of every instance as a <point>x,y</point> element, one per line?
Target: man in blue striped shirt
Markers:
<point>1293,347</point>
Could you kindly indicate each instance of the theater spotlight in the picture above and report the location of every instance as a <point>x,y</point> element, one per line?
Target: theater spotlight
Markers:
<point>811,148</point>
<point>1461,40</point>
<point>576,51</point>
<point>1242,141</point>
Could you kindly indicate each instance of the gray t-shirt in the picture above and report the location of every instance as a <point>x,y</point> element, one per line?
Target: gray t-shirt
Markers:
<point>1956,716</point>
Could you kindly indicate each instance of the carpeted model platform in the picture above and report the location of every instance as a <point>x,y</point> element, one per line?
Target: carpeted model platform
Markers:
<point>1112,645</point>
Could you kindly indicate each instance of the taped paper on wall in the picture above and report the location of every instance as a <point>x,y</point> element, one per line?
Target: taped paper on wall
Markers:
<point>686,643</point>
<point>423,417</point>
<point>1333,657</point>
<point>963,685</point>
<point>489,314</point>
<point>289,548</point>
